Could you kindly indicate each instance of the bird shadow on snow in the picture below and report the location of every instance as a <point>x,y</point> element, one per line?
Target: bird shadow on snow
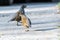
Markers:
<point>45,29</point>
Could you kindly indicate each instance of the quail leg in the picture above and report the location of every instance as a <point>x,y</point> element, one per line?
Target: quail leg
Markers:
<point>17,24</point>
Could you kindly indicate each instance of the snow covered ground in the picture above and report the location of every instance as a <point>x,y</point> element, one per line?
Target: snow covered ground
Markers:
<point>44,20</point>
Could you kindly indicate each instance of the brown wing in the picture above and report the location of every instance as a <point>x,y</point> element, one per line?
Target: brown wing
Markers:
<point>18,18</point>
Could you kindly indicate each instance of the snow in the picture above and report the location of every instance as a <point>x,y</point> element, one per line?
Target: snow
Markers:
<point>44,20</point>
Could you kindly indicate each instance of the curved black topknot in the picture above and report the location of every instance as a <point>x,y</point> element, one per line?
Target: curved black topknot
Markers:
<point>23,6</point>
